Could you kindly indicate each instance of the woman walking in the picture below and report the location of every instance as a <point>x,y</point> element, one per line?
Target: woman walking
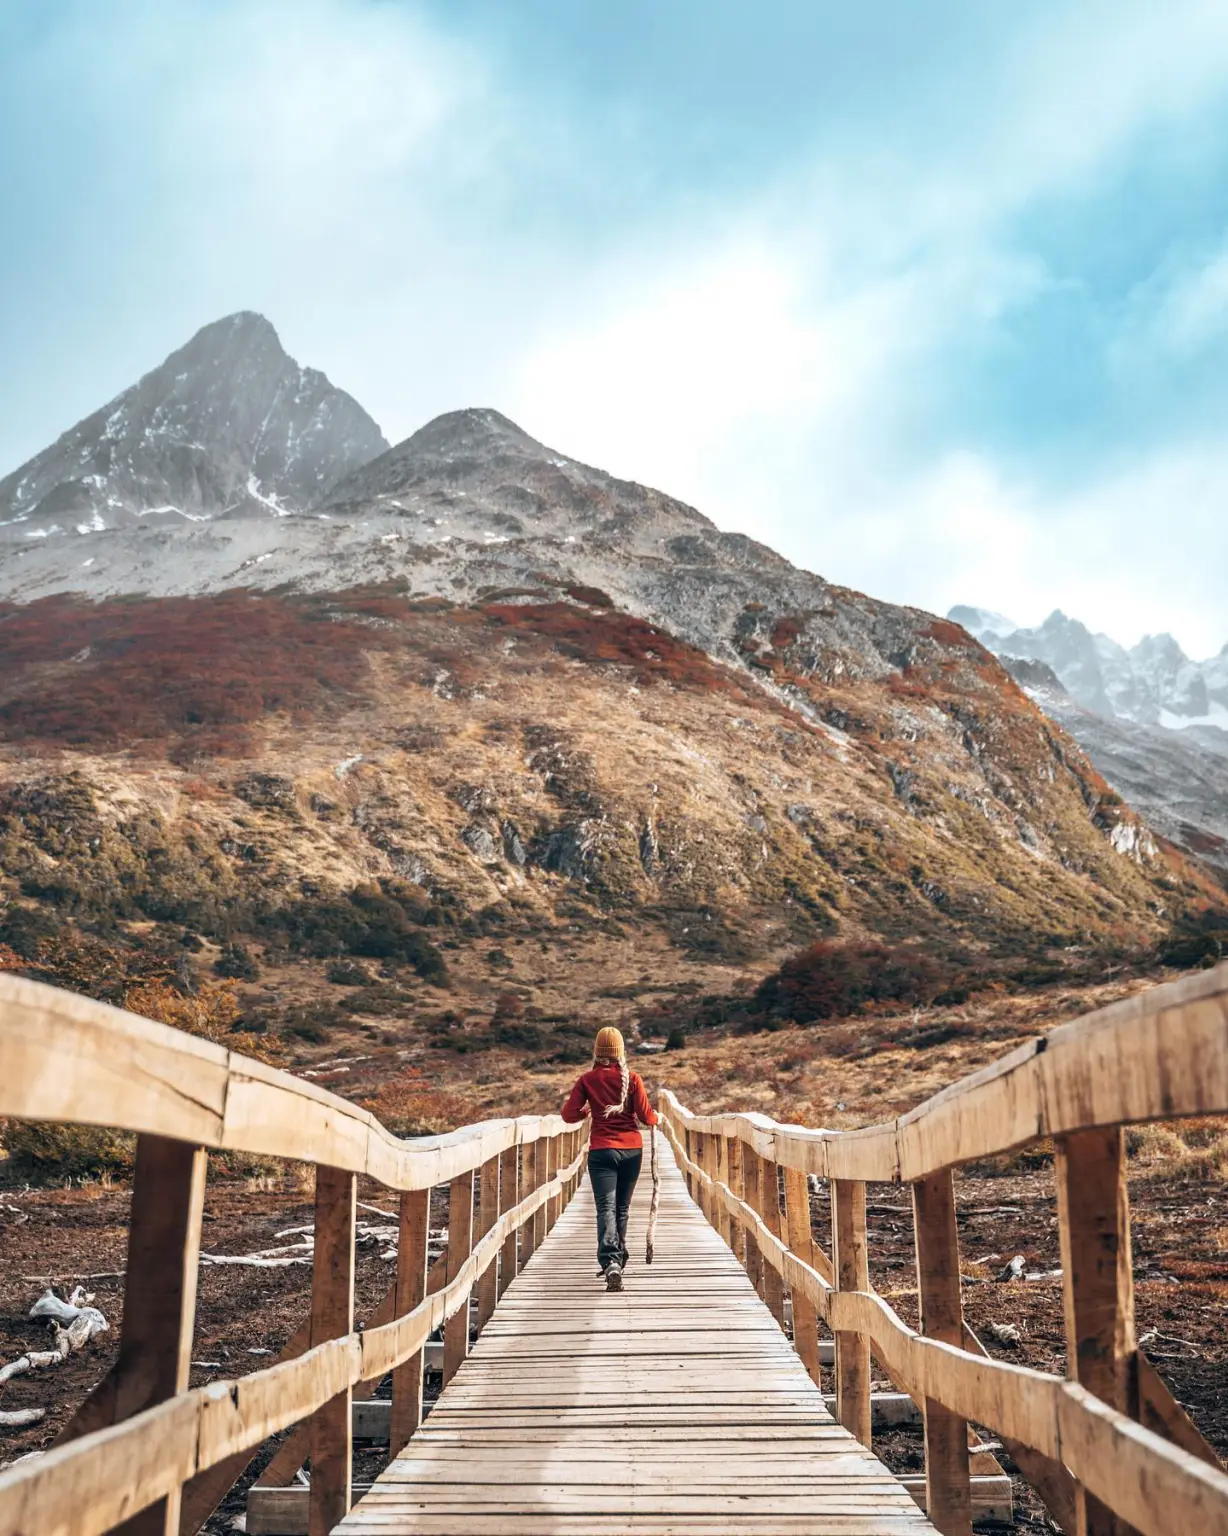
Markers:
<point>616,1100</point>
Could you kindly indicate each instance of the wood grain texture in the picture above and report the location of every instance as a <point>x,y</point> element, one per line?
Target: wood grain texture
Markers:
<point>155,1350</point>
<point>1158,1055</point>
<point>413,1234</point>
<point>487,1289</point>
<point>509,1194</point>
<point>675,1405</point>
<point>852,1266</point>
<point>332,1317</point>
<point>460,1245</point>
<point>801,1241</point>
<point>948,1489</point>
<point>1093,1212</point>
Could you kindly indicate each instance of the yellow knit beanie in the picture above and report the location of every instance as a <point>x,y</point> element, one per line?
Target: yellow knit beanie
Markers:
<point>609,1045</point>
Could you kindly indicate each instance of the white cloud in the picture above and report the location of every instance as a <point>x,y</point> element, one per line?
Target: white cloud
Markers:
<point>1141,550</point>
<point>435,235</point>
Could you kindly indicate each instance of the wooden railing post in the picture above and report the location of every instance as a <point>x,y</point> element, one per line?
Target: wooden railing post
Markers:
<point>852,1265</point>
<point>733,1170</point>
<point>529,1180</point>
<point>720,1158</point>
<point>947,1487</point>
<point>713,1209</point>
<point>698,1156</point>
<point>688,1146</point>
<point>552,1167</point>
<point>1093,1212</point>
<point>155,1347</point>
<point>412,1264</point>
<point>332,1317</point>
<point>509,1196</point>
<point>488,1214</point>
<point>750,1193</point>
<point>460,1246</point>
<point>769,1209</point>
<point>800,1242</point>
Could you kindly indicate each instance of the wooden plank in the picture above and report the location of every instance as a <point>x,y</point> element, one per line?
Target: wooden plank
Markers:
<point>1048,1477</point>
<point>769,1209</point>
<point>948,1490</point>
<point>412,1264</point>
<point>554,1415</point>
<point>550,1211</point>
<point>332,1317</point>
<point>155,1348</point>
<point>801,1241</point>
<point>488,1211</point>
<point>530,1180</point>
<point>733,1166</point>
<point>1097,1284</point>
<point>1159,1411</point>
<point>751,1174</point>
<point>1157,1055</point>
<point>720,1155</point>
<point>989,1496</point>
<point>509,1194</point>
<point>460,1245</point>
<point>852,1266</point>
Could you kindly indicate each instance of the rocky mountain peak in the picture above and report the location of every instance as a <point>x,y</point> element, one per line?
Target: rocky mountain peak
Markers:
<point>228,426</point>
<point>475,430</point>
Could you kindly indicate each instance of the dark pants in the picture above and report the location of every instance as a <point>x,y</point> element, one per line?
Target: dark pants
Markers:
<point>613,1172</point>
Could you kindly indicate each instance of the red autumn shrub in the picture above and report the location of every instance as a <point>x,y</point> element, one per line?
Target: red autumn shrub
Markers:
<point>835,978</point>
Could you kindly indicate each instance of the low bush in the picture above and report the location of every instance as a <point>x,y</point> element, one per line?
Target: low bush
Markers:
<point>833,979</point>
<point>41,1151</point>
<point>236,964</point>
<point>369,922</point>
<point>348,973</point>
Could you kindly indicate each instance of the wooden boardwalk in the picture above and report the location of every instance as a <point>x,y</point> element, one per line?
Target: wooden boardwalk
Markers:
<point>675,1406</point>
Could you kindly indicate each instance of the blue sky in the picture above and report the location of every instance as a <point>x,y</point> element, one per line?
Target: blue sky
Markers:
<point>933,298</point>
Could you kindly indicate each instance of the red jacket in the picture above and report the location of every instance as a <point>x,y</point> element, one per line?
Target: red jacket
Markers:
<point>601,1086</point>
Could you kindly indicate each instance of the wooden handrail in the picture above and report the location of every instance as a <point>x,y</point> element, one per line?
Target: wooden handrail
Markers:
<point>67,1058</point>
<point>1158,1055</point>
<point>71,1059</point>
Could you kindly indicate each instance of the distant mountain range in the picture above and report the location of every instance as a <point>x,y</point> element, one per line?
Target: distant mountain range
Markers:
<point>1152,683</point>
<point>1154,722</point>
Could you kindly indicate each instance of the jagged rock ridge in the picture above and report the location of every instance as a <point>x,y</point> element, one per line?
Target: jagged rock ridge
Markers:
<point>1152,683</point>
<point>1147,717</point>
<point>229,426</point>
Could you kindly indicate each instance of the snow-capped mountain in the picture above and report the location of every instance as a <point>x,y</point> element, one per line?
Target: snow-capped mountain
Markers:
<point>1152,683</point>
<point>1153,722</point>
<point>228,426</point>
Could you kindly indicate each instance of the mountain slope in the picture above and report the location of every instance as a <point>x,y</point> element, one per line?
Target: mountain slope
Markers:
<point>227,426</point>
<point>514,691</point>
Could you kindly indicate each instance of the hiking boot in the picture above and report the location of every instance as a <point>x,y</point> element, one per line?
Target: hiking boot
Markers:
<point>614,1276</point>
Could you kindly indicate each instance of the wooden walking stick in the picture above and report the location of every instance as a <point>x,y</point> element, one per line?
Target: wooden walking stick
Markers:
<point>656,1198</point>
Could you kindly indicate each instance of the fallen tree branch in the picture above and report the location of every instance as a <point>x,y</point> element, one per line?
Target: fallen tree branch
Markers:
<point>75,1324</point>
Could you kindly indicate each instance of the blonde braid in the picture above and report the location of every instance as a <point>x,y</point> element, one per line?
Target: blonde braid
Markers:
<point>624,1080</point>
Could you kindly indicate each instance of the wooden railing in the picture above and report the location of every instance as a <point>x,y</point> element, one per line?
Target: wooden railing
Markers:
<point>1108,1450</point>
<point>147,1455</point>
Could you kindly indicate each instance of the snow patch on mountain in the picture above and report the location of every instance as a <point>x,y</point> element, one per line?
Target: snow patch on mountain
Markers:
<point>228,426</point>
